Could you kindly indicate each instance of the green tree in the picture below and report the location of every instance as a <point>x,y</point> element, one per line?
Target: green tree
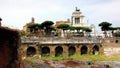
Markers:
<point>112,29</point>
<point>116,34</point>
<point>117,28</point>
<point>78,29</point>
<point>87,31</point>
<point>79,33</point>
<point>72,28</point>
<point>34,28</point>
<point>47,27</point>
<point>63,27</point>
<point>105,26</point>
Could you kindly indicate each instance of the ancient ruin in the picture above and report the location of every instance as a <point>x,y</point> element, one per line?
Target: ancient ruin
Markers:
<point>10,56</point>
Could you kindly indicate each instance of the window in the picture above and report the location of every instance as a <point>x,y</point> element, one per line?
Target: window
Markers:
<point>77,20</point>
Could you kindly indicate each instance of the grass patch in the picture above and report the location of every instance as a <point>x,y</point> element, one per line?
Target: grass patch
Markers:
<point>85,57</point>
<point>93,58</point>
<point>56,58</point>
<point>89,57</point>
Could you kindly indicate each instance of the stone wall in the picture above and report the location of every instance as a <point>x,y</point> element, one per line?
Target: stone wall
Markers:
<point>9,48</point>
<point>65,49</point>
<point>110,50</point>
<point>111,46</point>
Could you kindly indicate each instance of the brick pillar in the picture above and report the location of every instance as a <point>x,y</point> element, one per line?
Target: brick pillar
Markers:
<point>52,50</point>
<point>77,50</point>
<point>80,48</point>
<point>65,50</point>
<point>24,50</point>
<point>37,50</point>
<point>101,49</point>
<point>89,49</point>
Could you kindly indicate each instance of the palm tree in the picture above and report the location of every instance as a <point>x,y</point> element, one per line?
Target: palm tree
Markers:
<point>63,27</point>
<point>105,26</point>
<point>47,27</point>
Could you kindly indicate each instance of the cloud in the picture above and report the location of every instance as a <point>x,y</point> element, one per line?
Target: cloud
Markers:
<point>18,12</point>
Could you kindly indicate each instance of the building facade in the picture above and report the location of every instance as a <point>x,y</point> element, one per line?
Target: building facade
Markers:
<point>25,27</point>
<point>60,47</point>
<point>77,19</point>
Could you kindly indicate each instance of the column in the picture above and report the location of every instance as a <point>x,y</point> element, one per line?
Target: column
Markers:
<point>24,51</point>
<point>62,33</point>
<point>101,51</point>
<point>89,51</point>
<point>52,50</point>
<point>65,50</point>
<point>73,21</point>
<point>37,50</point>
<point>77,50</point>
<point>80,21</point>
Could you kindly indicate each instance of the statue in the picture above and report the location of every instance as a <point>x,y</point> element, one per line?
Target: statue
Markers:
<point>77,9</point>
<point>0,21</point>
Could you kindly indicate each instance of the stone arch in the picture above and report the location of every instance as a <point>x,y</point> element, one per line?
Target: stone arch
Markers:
<point>58,51</point>
<point>71,50</point>
<point>95,49</point>
<point>45,51</point>
<point>84,50</point>
<point>31,51</point>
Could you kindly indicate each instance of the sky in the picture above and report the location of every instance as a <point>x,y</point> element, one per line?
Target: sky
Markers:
<point>16,13</point>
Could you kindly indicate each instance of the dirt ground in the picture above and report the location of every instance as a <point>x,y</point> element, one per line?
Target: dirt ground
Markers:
<point>72,64</point>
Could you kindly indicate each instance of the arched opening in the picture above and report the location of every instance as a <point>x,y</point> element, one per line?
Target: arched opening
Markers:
<point>95,50</point>
<point>45,51</point>
<point>71,50</point>
<point>58,51</point>
<point>116,41</point>
<point>84,50</point>
<point>31,51</point>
